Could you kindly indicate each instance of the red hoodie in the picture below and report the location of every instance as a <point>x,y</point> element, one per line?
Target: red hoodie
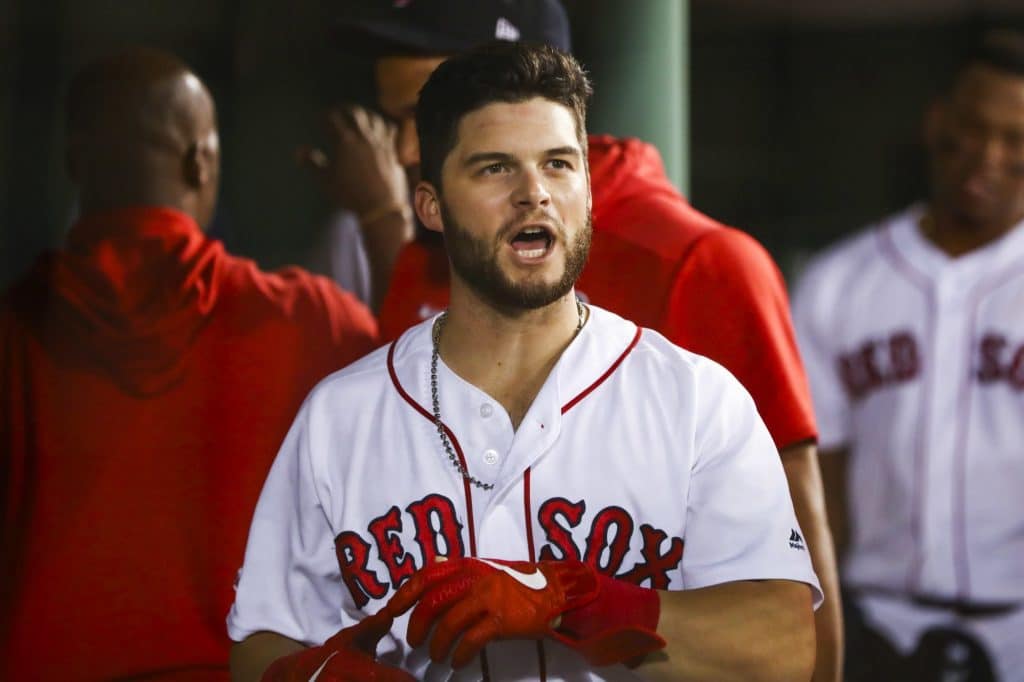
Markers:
<point>659,262</point>
<point>147,380</point>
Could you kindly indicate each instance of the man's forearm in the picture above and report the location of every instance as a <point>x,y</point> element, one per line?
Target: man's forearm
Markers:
<point>744,631</point>
<point>252,656</point>
<point>384,235</point>
<point>800,463</point>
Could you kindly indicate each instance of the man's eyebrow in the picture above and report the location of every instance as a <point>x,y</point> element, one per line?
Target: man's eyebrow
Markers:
<point>563,151</point>
<point>486,157</point>
<point>494,157</point>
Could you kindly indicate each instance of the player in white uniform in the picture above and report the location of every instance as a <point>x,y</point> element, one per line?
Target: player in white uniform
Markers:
<point>913,338</point>
<point>633,481</point>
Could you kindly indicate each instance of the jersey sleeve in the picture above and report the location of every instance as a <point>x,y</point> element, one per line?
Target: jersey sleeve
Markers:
<point>811,313</point>
<point>740,522</point>
<point>289,582</point>
<point>729,303</point>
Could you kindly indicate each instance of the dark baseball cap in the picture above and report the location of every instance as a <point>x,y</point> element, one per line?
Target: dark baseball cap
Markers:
<point>441,27</point>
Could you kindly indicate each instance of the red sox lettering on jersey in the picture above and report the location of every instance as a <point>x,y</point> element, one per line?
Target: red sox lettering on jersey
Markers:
<point>878,362</point>
<point>438,533</point>
<point>894,359</point>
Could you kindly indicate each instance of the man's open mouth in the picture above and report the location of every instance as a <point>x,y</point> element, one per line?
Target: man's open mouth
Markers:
<point>532,241</point>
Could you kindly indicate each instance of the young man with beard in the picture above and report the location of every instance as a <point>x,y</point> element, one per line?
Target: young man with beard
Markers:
<point>654,259</point>
<point>555,456</point>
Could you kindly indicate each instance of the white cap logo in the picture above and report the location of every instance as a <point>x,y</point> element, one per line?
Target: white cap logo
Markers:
<point>504,30</point>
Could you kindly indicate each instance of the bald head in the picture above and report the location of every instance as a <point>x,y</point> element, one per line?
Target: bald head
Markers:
<point>141,130</point>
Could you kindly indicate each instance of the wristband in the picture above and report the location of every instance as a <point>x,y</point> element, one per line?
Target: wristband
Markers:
<point>607,620</point>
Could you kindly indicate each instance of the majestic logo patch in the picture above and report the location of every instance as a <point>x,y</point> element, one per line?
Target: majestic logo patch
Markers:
<point>795,541</point>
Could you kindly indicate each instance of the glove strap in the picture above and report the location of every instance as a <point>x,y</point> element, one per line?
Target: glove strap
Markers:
<point>607,620</point>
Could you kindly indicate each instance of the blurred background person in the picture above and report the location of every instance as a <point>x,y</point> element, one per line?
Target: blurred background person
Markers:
<point>147,379</point>
<point>372,159</point>
<point>913,336</point>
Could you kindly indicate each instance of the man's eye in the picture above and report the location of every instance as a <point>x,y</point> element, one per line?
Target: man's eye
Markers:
<point>494,168</point>
<point>560,164</point>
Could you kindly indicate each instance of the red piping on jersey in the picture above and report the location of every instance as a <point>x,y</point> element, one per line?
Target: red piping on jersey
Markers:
<point>451,436</point>
<point>541,654</point>
<point>919,495</point>
<point>961,551</point>
<point>529,516</point>
<point>615,365</point>
<point>541,657</point>
<point>965,393</point>
<point>887,246</point>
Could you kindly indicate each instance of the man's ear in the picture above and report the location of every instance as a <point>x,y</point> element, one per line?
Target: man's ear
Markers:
<point>200,162</point>
<point>427,202</point>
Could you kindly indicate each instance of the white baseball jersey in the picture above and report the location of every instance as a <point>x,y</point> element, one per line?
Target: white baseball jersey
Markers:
<point>636,456</point>
<point>916,364</point>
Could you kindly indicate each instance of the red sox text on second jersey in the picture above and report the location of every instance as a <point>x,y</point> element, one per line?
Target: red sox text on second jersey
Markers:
<point>649,462</point>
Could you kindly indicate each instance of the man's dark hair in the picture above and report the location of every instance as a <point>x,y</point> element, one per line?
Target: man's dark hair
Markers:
<point>1001,49</point>
<point>495,72</point>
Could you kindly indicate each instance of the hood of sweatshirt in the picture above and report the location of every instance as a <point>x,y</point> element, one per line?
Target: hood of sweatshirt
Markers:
<point>622,169</point>
<point>127,295</point>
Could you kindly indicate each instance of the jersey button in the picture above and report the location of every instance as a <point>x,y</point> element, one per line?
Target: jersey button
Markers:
<point>491,456</point>
<point>486,411</point>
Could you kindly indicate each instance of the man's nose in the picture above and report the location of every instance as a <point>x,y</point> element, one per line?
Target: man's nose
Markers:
<point>531,190</point>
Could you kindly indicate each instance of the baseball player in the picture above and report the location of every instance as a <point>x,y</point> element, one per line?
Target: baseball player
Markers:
<point>599,496</point>
<point>913,337</point>
<point>655,259</point>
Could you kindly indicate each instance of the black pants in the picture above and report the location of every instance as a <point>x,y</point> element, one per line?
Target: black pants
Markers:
<point>942,654</point>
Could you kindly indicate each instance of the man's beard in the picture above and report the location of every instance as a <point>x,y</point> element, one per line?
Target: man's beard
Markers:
<point>476,262</point>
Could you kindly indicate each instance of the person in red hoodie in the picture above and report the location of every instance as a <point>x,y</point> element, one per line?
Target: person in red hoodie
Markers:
<point>147,379</point>
<point>655,259</point>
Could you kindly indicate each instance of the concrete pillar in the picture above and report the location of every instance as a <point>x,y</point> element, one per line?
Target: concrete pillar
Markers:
<point>637,53</point>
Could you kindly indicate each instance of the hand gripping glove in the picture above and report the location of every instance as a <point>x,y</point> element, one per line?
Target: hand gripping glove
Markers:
<point>348,656</point>
<point>606,620</point>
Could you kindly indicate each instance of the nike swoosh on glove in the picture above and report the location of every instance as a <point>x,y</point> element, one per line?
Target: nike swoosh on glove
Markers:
<point>476,601</point>
<point>348,656</point>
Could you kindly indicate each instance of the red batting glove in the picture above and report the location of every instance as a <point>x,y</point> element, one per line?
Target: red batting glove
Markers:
<point>480,600</point>
<point>348,656</point>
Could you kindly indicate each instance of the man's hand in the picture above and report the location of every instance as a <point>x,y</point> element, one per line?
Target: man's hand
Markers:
<point>476,601</point>
<point>348,656</point>
<point>361,172</point>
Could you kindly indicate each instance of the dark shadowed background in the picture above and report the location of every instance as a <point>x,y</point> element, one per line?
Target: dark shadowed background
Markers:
<point>799,117</point>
